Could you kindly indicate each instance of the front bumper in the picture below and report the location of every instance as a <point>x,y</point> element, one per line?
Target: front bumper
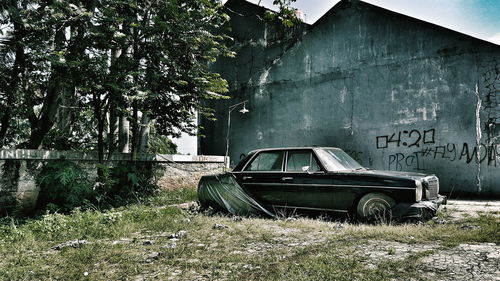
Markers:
<point>424,209</point>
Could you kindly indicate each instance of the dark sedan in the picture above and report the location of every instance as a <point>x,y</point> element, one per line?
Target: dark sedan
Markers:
<point>320,179</point>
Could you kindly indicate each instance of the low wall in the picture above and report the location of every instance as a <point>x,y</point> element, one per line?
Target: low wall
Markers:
<point>20,167</point>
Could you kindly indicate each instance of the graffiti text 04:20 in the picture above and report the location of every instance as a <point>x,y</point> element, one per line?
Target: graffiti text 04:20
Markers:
<point>406,138</point>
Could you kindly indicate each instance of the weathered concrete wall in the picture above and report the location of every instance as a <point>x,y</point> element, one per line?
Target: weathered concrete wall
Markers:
<point>18,191</point>
<point>394,92</point>
<point>20,168</point>
<point>175,175</point>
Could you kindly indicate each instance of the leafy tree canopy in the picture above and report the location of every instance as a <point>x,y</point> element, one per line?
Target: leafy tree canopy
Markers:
<point>286,13</point>
<point>70,69</point>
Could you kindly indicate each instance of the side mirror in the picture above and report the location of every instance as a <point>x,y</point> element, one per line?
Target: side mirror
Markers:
<point>305,169</point>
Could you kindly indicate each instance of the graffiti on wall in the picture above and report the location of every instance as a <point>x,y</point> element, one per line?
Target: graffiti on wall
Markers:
<point>406,138</point>
<point>425,141</point>
<point>489,155</point>
<point>490,88</point>
<point>418,146</point>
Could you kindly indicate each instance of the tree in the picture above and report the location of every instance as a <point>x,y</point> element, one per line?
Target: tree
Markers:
<point>45,42</point>
<point>85,65</point>
<point>286,13</point>
<point>12,63</point>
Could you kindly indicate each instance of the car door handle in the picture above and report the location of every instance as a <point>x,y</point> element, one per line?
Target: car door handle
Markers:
<point>286,178</point>
<point>247,178</point>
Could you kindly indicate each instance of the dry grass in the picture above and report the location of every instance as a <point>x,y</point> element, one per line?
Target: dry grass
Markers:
<point>133,243</point>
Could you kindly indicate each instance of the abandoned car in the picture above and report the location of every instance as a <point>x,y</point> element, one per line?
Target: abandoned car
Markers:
<point>324,179</point>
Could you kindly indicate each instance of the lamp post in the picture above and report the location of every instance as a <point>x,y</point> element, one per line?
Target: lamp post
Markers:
<point>230,109</point>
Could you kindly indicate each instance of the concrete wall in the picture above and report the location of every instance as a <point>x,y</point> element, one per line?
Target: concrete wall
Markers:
<point>394,92</point>
<point>19,169</point>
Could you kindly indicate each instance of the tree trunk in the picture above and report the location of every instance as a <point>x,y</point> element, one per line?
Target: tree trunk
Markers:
<point>123,134</point>
<point>4,123</point>
<point>100,139</point>
<point>135,132</point>
<point>41,126</point>
<point>17,69</point>
<point>100,126</point>
<point>113,101</point>
<point>112,127</point>
<point>62,78</point>
<point>65,115</point>
<point>100,144</point>
<point>144,134</point>
<point>48,113</point>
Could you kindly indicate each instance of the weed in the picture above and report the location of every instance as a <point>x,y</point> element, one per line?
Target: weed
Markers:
<point>391,251</point>
<point>64,185</point>
<point>249,249</point>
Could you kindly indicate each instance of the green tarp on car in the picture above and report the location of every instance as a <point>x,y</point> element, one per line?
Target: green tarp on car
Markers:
<point>224,193</point>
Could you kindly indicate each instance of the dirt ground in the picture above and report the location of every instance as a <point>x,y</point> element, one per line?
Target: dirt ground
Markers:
<point>472,262</point>
<point>466,261</point>
<point>247,239</point>
<point>458,209</point>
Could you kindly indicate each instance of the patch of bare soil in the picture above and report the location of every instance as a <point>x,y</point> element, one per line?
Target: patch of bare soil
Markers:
<point>472,262</point>
<point>377,251</point>
<point>459,209</point>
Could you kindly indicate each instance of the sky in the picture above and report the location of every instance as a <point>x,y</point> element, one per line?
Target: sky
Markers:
<point>478,18</point>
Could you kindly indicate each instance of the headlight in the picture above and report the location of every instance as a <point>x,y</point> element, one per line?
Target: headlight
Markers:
<point>437,185</point>
<point>418,190</point>
<point>425,185</point>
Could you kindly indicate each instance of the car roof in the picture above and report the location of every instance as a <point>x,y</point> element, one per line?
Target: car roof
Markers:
<point>292,148</point>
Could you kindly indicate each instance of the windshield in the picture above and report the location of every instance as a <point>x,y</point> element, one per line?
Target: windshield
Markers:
<point>337,160</point>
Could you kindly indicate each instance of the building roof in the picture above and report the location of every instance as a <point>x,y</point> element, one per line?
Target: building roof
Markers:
<point>344,3</point>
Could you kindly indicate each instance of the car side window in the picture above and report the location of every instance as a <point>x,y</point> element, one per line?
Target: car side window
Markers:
<point>297,160</point>
<point>267,161</point>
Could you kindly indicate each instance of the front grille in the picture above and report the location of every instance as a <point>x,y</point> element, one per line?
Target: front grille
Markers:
<point>432,187</point>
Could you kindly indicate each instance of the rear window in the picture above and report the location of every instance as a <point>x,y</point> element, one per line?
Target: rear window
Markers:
<point>298,160</point>
<point>267,161</point>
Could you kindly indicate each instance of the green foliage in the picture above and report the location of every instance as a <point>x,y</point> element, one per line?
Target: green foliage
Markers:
<point>286,13</point>
<point>125,183</point>
<point>160,144</point>
<point>72,63</point>
<point>175,196</point>
<point>64,185</point>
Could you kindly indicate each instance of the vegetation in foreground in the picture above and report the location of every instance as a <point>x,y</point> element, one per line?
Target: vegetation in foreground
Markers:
<point>136,243</point>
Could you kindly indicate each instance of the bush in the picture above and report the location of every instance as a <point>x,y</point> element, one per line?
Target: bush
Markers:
<point>159,144</point>
<point>64,185</point>
<point>125,183</point>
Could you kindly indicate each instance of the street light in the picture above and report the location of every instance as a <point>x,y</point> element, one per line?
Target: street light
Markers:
<point>231,108</point>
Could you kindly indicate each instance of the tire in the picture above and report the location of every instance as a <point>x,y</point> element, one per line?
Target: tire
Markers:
<point>375,206</point>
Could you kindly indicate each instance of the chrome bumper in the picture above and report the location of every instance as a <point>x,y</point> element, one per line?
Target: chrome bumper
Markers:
<point>425,209</point>
<point>441,200</point>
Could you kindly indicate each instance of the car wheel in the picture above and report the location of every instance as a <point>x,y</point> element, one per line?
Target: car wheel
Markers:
<point>375,206</point>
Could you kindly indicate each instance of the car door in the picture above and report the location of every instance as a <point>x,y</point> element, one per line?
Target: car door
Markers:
<point>307,184</point>
<point>262,177</point>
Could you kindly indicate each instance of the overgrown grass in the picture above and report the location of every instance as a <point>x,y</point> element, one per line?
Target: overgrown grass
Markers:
<point>132,242</point>
<point>331,261</point>
<point>176,196</point>
<point>26,246</point>
<point>484,228</point>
